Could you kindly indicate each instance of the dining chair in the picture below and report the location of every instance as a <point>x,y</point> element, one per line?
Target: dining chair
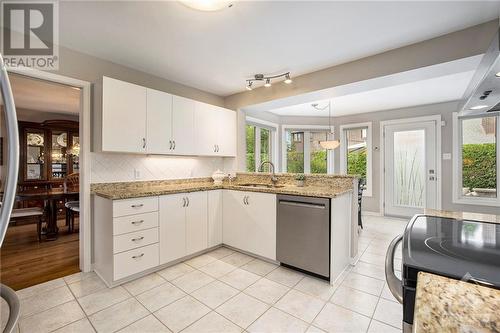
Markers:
<point>72,207</point>
<point>21,213</point>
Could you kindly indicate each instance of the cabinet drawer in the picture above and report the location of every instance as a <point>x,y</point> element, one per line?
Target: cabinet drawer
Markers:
<point>135,261</point>
<point>133,223</point>
<point>134,206</point>
<point>134,240</point>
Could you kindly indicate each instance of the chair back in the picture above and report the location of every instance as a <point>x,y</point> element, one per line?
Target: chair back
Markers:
<point>72,179</point>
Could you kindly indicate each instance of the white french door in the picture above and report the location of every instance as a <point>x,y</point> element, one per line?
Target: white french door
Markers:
<point>410,159</point>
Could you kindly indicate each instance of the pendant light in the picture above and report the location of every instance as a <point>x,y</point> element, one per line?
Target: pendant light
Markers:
<point>328,144</point>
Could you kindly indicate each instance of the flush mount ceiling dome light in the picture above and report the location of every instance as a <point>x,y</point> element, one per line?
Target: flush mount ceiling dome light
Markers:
<point>208,5</point>
<point>267,79</point>
<point>327,144</point>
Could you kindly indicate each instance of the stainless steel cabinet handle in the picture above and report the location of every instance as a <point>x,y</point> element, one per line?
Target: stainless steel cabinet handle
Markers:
<point>143,142</point>
<point>170,142</point>
<point>137,222</point>
<point>137,206</point>
<point>12,151</point>
<point>138,256</point>
<point>137,239</point>
<point>187,202</point>
<point>301,204</point>
<point>218,149</point>
<point>395,285</point>
<point>248,200</point>
<point>173,145</point>
<point>215,148</point>
<point>245,200</point>
<point>183,202</point>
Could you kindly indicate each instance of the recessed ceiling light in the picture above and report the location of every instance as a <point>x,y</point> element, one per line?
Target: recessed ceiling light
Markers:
<point>497,74</point>
<point>268,83</point>
<point>208,5</point>
<point>479,107</point>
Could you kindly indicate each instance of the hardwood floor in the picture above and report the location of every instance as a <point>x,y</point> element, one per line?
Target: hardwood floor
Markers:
<point>25,262</point>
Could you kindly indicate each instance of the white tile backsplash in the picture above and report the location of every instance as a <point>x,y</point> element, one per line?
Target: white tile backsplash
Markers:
<point>109,167</point>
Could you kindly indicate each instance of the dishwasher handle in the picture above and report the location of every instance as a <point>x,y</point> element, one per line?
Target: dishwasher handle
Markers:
<point>395,285</point>
<point>302,204</point>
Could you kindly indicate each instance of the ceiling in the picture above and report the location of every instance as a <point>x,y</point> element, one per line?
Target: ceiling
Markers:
<point>38,95</point>
<point>436,90</point>
<point>217,51</point>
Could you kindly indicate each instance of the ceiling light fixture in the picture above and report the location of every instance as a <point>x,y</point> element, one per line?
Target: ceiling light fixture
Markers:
<point>208,5</point>
<point>328,144</point>
<point>497,74</point>
<point>267,79</point>
<point>479,107</point>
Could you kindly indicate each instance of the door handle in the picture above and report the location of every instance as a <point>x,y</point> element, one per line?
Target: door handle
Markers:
<point>173,145</point>
<point>183,202</point>
<point>143,143</point>
<point>395,285</point>
<point>170,141</point>
<point>245,200</point>
<point>187,199</point>
<point>12,151</point>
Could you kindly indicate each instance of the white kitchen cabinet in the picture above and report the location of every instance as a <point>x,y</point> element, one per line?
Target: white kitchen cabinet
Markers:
<point>196,222</point>
<point>215,130</point>
<point>123,116</point>
<point>183,225</point>
<point>183,132</point>
<point>215,218</point>
<point>172,227</point>
<point>249,222</point>
<point>159,122</point>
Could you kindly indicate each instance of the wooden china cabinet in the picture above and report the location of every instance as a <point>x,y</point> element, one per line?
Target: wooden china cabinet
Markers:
<point>49,152</point>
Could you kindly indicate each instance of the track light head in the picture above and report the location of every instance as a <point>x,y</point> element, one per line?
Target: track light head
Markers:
<point>268,83</point>
<point>249,85</point>
<point>288,80</point>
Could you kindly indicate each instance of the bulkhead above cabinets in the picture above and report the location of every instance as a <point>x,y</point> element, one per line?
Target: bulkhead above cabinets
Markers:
<point>136,119</point>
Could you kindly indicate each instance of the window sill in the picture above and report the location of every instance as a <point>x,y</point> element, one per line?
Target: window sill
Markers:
<point>495,202</point>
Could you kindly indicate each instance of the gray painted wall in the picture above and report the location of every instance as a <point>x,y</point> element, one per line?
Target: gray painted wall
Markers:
<point>373,203</point>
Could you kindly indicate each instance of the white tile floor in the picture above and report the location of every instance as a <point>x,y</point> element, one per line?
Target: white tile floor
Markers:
<point>224,291</point>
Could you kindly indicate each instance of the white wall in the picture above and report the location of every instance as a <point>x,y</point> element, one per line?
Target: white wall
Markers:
<point>373,203</point>
<point>109,167</point>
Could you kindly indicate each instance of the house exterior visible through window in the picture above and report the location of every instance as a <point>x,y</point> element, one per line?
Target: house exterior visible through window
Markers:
<point>259,146</point>
<point>304,154</point>
<point>476,162</point>
<point>356,158</point>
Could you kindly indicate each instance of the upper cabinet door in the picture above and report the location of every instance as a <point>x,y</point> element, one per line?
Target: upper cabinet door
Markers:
<point>183,133</point>
<point>226,132</point>
<point>123,116</point>
<point>159,122</point>
<point>206,128</point>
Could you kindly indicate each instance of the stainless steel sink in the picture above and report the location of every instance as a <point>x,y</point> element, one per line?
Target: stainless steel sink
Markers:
<point>260,185</point>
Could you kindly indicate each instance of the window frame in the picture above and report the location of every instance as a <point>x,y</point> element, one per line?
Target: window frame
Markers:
<point>458,198</point>
<point>368,192</point>
<point>273,128</point>
<point>307,129</point>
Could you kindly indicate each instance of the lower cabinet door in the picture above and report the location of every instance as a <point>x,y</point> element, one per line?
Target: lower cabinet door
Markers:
<point>135,261</point>
<point>172,227</point>
<point>196,222</point>
<point>261,209</point>
<point>214,218</point>
<point>235,220</point>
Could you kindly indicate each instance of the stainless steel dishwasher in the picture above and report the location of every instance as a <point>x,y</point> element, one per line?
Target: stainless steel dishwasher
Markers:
<point>303,233</point>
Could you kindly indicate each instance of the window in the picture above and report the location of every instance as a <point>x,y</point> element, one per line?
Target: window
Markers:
<point>356,156</point>
<point>303,153</point>
<point>260,143</point>
<point>476,162</point>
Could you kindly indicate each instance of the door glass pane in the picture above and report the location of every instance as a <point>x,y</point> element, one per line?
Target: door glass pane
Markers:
<point>479,168</point>
<point>318,154</point>
<point>295,151</point>
<point>250,138</point>
<point>265,147</point>
<point>35,159</point>
<point>356,152</point>
<point>58,154</point>
<point>409,168</point>
<point>75,154</point>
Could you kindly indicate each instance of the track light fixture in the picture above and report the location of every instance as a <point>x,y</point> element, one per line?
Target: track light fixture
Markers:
<point>267,79</point>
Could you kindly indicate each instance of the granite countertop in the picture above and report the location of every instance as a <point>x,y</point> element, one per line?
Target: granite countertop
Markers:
<point>324,187</point>
<point>448,305</point>
<point>464,215</point>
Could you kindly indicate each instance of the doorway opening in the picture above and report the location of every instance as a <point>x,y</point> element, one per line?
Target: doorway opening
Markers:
<point>42,241</point>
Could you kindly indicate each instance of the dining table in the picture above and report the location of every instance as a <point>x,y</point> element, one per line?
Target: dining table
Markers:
<point>50,198</point>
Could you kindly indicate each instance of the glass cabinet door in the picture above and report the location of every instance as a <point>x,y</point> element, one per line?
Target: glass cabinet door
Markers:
<point>35,159</point>
<point>75,153</point>
<point>58,158</point>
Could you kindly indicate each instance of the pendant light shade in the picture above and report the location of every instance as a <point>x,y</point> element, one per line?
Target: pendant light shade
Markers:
<point>330,144</point>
